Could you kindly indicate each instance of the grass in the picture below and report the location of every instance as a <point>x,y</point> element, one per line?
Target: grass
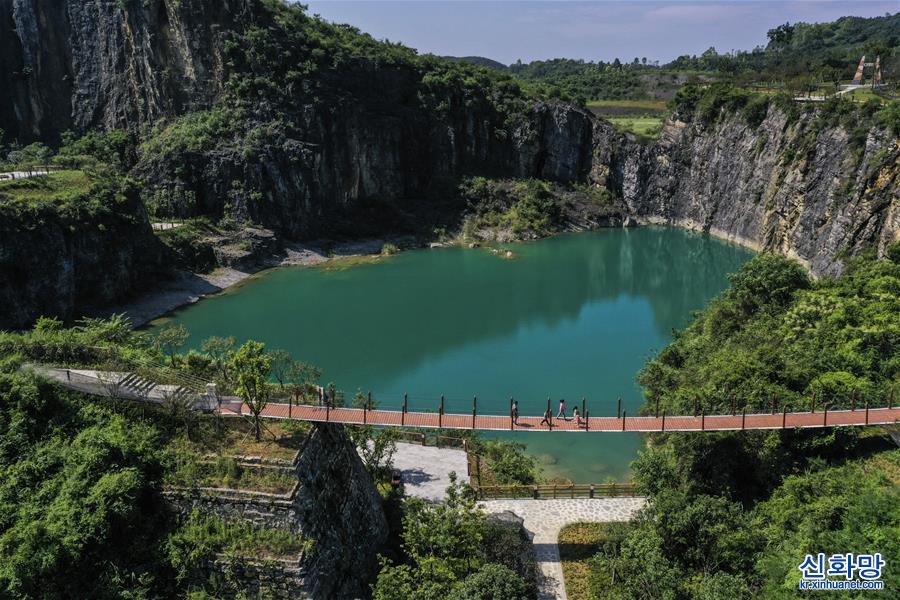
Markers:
<point>201,537</point>
<point>644,126</point>
<point>280,441</point>
<point>863,94</point>
<point>55,186</point>
<point>578,544</point>
<point>225,472</point>
<point>648,105</point>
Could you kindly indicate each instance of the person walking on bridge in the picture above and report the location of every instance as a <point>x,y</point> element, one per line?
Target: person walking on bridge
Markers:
<point>547,416</point>
<point>562,410</point>
<point>577,416</point>
<point>514,412</point>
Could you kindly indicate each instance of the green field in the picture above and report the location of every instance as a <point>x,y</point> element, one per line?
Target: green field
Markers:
<point>58,185</point>
<point>648,105</point>
<point>627,108</point>
<point>643,126</point>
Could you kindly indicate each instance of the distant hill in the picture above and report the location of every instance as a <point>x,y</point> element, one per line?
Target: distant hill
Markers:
<point>480,61</point>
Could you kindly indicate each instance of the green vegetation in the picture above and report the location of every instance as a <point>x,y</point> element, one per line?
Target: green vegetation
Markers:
<point>733,514</point>
<point>581,545</point>
<point>526,208</point>
<point>80,476</point>
<point>450,554</point>
<point>227,472</point>
<point>77,493</point>
<point>201,538</point>
<point>56,187</point>
<point>646,127</point>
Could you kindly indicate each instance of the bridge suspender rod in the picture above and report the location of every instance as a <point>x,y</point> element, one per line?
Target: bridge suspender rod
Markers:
<point>582,405</point>
<point>441,412</point>
<point>743,417</point>
<point>623,420</point>
<point>663,428</point>
<point>702,420</point>
<point>587,421</point>
<point>327,411</point>
<point>474,409</point>
<point>619,409</point>
<point>784,415</point>
<point>867,411</point>
<point>511,425</point>
<point>403,412</point>
<point>549,415</point>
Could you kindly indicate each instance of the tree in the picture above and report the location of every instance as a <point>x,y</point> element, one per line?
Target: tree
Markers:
<point>375,447</point>
<point>490,582</point>
<point>302,377</point>
<point>219,349</point>
<point>451,532</point>
<point>252,365</point>
<point>281,366</point>
<point>170,339</point>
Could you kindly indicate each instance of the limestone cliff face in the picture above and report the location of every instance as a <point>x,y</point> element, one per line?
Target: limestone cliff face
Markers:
<point>79,64</point>
<point>356,169</point>
<point>785,186</point>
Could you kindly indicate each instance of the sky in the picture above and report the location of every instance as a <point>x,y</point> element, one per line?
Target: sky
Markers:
<point>508,30</point>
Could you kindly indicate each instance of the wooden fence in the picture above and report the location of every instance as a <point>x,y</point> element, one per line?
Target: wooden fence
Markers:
<point>552,490</point>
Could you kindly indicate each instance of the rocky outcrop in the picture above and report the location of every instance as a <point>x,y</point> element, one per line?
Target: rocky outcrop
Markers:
<point>788,185</point>
<point>63,261</point>
<point>334,506</point>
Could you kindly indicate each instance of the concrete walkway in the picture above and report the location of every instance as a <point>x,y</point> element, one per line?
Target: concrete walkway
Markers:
<point>545,518</point>
<point>426,469</point>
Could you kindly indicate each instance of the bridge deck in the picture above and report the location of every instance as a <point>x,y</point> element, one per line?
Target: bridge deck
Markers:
<point>432,420</point>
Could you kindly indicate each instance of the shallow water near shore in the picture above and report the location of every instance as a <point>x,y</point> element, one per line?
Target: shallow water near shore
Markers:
<point>568,317</point>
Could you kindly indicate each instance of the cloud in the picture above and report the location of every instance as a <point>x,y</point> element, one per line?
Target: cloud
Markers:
<point>700,13</point>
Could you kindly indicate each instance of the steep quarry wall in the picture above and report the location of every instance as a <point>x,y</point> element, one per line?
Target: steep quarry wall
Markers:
<point>79,64</point>
<point>786,185</point>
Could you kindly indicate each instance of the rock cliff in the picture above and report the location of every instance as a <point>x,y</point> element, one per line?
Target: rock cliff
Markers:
<point>791,186</point>
<point>63,260</point>
<point>82,64</point>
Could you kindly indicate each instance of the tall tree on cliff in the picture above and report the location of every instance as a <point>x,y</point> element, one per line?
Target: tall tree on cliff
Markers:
<point>251,366</point>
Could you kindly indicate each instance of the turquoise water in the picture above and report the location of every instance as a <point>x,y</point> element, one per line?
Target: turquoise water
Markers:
<point>572,316</point>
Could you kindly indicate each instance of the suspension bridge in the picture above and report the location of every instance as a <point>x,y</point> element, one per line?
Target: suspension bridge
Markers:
<point>185,392</point>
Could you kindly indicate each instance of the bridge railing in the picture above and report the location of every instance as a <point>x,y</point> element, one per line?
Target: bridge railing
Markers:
<point>555,491</point>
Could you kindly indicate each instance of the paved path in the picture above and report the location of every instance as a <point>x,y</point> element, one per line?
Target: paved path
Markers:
<point>426,469</point>
<point>544,519</point>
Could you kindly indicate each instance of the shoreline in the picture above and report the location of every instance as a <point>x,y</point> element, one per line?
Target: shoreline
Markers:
<point>187,288</point>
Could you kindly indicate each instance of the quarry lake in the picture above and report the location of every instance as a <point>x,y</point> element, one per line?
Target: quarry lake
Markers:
<point>568,317</point>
